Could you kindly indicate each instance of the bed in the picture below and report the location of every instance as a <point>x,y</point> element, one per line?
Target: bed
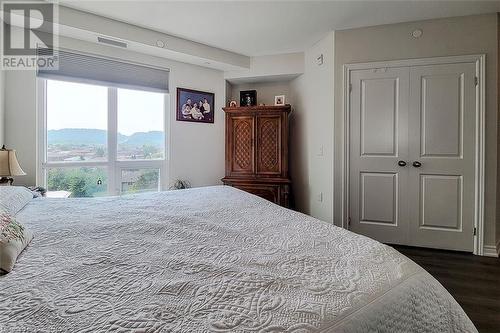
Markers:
<point>213,259</point>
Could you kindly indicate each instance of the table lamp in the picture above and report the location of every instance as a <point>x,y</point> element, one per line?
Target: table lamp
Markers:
<point>9,166</point>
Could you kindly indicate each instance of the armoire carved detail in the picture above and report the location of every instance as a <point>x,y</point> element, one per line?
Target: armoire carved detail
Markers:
<point>243,144</point>
<point>269,147</point>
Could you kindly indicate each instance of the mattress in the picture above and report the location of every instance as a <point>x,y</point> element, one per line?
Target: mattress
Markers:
<point>213,259</point>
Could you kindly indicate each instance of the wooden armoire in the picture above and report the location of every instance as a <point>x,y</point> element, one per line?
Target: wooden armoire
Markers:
<point>257,151</point>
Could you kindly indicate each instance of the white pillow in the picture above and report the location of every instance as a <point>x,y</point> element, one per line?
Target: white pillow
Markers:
<point>14,238</point>
<point>14,198</point>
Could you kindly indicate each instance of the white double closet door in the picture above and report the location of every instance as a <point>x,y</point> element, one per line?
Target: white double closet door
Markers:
<point>412,155</point>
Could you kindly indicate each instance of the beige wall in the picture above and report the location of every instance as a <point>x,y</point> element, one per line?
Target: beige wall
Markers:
<point>2,100</point>
<point>2,107</point>
<point>196,150</point>
<point>262,67</point>
<point>498,143</point>
<point>265,91</point>
<point>442,37</point>
<point>311,124</point>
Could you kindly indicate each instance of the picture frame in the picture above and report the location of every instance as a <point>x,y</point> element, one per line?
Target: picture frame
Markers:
<point>195,106</point>
<point>279,100</point>
<point>248,98</point>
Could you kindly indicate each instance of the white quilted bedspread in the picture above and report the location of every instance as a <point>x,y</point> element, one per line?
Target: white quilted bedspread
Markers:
<point>212,259</point>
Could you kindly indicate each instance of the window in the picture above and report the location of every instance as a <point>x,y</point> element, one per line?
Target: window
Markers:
<point>80,181</point>
<point>140,125</point>
<point>97,140</point>
<point>77,122</point>
<point>140,180</point>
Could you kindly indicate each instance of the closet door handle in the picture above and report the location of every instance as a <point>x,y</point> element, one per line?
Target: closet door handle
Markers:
<point>417,164</point>
<point>402,163</point>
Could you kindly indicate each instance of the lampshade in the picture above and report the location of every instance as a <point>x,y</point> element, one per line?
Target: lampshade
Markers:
<point>9,166</point>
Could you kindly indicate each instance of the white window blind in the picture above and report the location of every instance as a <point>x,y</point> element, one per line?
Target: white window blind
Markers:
<point>107,72</point>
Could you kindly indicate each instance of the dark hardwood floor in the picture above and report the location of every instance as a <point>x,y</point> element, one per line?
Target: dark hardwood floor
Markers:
<point>472,280</point>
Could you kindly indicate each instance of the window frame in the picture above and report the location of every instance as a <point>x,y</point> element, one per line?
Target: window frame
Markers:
<point>113,165</point>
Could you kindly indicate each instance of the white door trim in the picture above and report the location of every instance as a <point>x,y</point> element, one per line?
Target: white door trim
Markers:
<point>479,61</point>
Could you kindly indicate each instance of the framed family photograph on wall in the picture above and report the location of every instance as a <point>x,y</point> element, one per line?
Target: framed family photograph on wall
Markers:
<point>195,106</point>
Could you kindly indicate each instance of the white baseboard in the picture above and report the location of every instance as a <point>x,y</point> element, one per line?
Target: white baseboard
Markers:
<point>491,250</point>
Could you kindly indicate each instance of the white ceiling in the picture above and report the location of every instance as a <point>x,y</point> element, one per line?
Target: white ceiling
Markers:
<point>270,27</point>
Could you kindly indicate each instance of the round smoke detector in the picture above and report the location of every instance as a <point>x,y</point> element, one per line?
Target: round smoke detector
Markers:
<point>417,33</point>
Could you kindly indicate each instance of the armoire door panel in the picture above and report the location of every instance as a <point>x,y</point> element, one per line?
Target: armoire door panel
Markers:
<point>441,202</point>
<point>269,145</point>
<point>442,109</point>
<point>243,161</point>
<point>379,198</point>
<point>379,111</point>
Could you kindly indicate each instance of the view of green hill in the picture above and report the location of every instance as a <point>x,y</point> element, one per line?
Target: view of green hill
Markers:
<point>91,136</point>
<point>155,138</point>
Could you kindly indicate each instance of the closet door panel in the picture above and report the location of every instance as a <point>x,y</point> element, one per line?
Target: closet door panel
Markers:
<point>378,151</point>
<point>442,137</point>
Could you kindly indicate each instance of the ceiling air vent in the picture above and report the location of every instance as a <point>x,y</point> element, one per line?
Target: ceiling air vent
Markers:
<point>112,42</point>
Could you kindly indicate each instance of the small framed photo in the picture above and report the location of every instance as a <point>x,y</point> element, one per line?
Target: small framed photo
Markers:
<point>279,100</point>
<point>248,98</point>
<point>195,106</point>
